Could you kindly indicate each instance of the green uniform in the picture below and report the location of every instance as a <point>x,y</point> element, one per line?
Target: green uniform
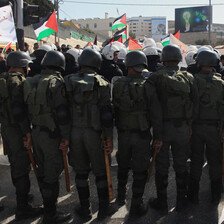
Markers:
<point>136,109</point>
<point>45,97</point>
<point>177,94</point>
<point>206,135</point>
<point>89,98</point>
<point>14,126</point>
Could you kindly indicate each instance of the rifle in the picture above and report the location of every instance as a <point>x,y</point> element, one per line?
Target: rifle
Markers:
<point>30,154</point>
<point>152,164</point>
<point>109,182</point>
<point>67,179</point>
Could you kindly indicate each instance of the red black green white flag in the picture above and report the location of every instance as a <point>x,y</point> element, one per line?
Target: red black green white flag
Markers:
<point>119,22</point>
<point>46,26</point>
<point>122,32</point>
<point>132,45</point>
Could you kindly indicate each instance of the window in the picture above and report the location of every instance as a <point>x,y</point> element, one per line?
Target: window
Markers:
<point>95,25</point>
<point>87,26</point>
<point>110,24</point>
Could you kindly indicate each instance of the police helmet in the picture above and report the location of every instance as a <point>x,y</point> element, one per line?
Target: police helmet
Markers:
<point>207,58</point>
<point>137,60</point>
<point>108,51</point>
<point>90,58</point>
<point>18,59</point>
<point>171,53</point>
<point>54,58</point>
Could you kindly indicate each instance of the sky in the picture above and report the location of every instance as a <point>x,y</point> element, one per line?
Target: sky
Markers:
<point>70,9</point>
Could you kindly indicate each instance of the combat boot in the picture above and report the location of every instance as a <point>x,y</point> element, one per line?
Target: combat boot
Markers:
<point>23,209</point>
<point>50,194</point>
<point>138,209</point>
<point>181,184</point>
<point>84,211</point>
<point>122,177</point>
<point>216,192</point>
<point>193,189</point>
<point>105,209</point>
<point>160,203</point>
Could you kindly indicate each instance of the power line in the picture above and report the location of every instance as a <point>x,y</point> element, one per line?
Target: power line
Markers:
<point>139,4</point>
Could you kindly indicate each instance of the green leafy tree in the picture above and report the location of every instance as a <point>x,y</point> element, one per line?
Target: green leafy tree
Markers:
<point>46,6</point>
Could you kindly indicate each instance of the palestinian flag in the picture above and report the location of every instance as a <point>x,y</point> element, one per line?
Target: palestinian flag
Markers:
<point>166,40</point>
<point>46,26</point>
<point>119,22</point>
<point>122,32</point>
<point>117,38</point>
<point>109,41</point>
<point>6,47</point>
<point>132,45</point>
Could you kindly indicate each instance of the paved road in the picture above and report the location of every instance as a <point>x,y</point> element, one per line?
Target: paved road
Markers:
<point>204,213</point>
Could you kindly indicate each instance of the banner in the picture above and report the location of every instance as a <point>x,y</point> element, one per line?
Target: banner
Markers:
<point>7,26</point>
<point>193,19</point>
<point>158,28</point>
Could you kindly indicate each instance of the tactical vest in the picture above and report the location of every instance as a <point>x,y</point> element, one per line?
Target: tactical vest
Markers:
<point>37,96</point>
<point>6,79</point>
<point>210,90</point>
<point>84,95</point>
<point>174,92</point>
<point>130,106</point>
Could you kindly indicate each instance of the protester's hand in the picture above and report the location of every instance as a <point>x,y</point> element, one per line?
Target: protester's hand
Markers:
<point>64,145</point>
<point>108,145</point>
<point>157,144</point>
<point>27,141</point>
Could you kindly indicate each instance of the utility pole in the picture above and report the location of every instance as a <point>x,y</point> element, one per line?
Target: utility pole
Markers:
<point>19,25</point>
<point>210,20</point>
<point>56,6</point>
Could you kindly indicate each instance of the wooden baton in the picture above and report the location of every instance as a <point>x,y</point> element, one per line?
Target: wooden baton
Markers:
<point>151,165</point>
<point>67,179</point>
<point>223,162</point>
<point>30,154</point>
<point>109,182</point>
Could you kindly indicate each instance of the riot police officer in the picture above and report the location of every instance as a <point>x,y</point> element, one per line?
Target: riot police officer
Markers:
<point>207,127</point>
<point>177,93</point>
<point>136,108</point>
<point>14,127</point>
<point>92,122</point>
<point>48,108</point>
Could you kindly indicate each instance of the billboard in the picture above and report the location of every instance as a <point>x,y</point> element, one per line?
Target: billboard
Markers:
<point>194,19</point>
<point>158,28</point>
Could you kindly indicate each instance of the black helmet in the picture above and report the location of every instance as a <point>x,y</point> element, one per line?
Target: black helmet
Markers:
<point>90,58</point>
<point>136,59</point>
<point>18,59</point>
<point>207,58</point>
<point>54,58</point>
<point>171,53</point>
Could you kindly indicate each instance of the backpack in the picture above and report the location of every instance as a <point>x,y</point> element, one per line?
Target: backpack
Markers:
<point>174,91</point>
<point>37,97</point>
<point>210,90</point>
<point>6,115</point>
<point>130,104</point>
<point>84,95</point>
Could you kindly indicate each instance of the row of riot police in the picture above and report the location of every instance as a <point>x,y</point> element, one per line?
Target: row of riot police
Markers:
<point>76,112</point>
